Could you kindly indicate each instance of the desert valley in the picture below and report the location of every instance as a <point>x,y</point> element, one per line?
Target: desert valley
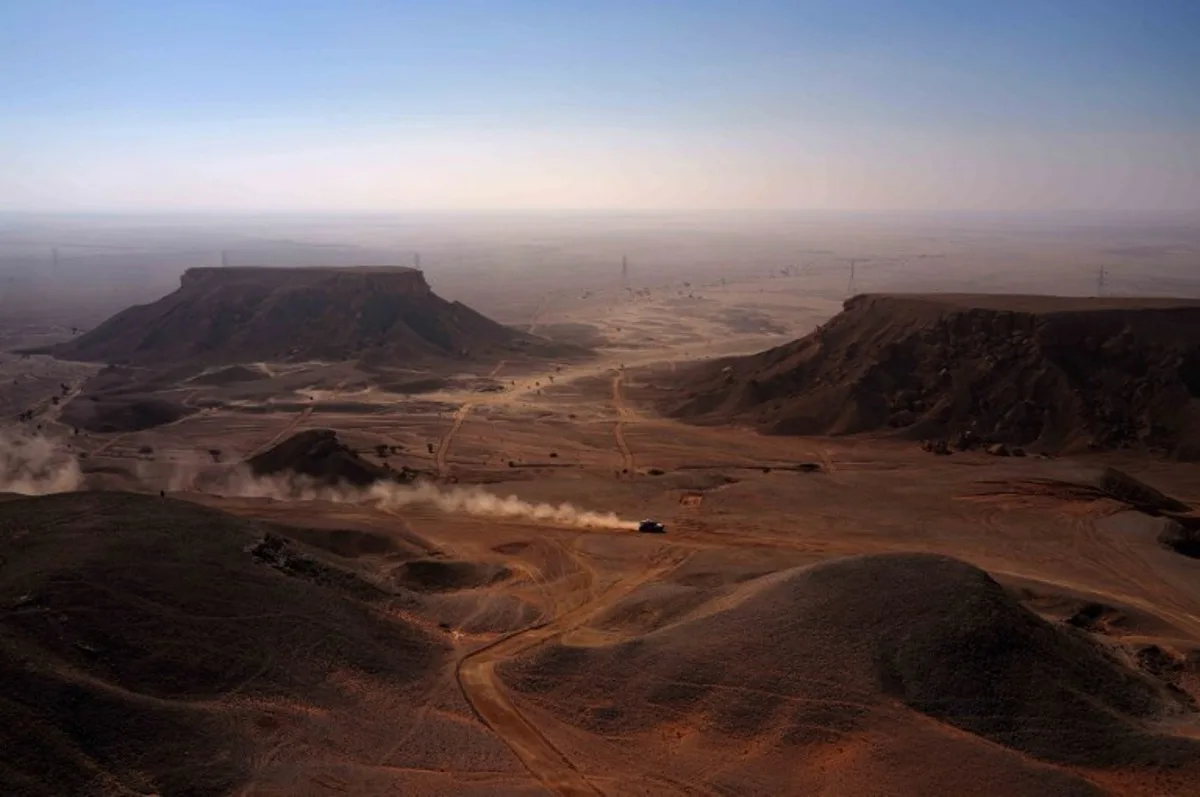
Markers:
<point>330,531</point>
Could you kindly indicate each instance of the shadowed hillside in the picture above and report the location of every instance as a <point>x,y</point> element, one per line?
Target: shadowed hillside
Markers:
<point>239,315</point>
<point>805,663</point>
<point>142,638</point>
<point>1043,371</point>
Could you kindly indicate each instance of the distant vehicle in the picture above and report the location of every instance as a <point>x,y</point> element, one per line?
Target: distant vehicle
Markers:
<point>651,527</point>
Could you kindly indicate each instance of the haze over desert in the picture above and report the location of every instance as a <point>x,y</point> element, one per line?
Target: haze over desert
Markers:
<point>618,399</point>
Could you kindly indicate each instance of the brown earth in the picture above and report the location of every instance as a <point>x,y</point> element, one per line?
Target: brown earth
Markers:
<point>380,315</point>
<point>434,575</point>
<point>1046,372</point>
<point>145,642</point>
<point>825,614</point>
<point>808,659</point>
<point>230,375</point>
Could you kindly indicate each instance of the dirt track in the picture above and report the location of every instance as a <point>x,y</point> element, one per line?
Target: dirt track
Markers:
<point>283,433</point>
<point>624,415</point>
<point>477,677</point>
<point>443,446</point>
<point>730,516</point>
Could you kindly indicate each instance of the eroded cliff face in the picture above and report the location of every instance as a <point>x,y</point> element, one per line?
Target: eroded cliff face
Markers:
<point>1038,372</point>
<point>230,315</point>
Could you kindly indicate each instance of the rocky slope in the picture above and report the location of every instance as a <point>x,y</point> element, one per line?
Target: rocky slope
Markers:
<point>885,674</point>
<point>1046,372</point>
<point>148,644</point>
<point>237,315</point>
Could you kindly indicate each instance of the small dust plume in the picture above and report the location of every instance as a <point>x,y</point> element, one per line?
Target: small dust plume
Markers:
<point>479,502</point>
<point>36,465</point>
<point>242,483</point>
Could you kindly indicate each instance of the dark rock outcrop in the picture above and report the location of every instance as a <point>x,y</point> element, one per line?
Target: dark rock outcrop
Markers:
<point>239,315</point>
<point>319,455</point>
<point>1049,372</point>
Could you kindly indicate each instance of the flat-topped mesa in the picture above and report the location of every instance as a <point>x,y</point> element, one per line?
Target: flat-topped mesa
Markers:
<point>394,278</point>
<point>1052,372</point>
<point>237,315</point>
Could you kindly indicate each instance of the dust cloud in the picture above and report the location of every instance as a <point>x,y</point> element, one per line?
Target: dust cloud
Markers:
<point>473,501</point>
<point>479,502</point>
<point>36,465</point>
<point>240,482</point>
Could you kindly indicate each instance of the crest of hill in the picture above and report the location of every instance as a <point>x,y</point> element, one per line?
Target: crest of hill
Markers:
<point>1043,371</point>
<point>819,655</point>
<point>135,629</point>
<point>239,315</point>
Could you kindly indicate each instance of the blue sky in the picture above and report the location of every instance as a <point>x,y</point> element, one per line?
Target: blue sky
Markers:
<point>357,105</point>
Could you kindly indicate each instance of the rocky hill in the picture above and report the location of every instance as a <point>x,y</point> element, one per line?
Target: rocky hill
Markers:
<point>891,674</point>
<point>319,455</point>
<point>237,315</point>
<point>147,644</point>
<point>1047,372</point>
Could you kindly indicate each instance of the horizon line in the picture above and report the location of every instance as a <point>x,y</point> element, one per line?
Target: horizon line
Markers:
<point>584,210</point>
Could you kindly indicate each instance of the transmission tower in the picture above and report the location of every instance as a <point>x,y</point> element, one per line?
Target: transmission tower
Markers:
<point>624,272</point>
<point>1100,282</point>
<point>852,285</point>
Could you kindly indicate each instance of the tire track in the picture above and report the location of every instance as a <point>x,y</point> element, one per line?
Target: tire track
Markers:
<point>624,416</point>
<point>443,447</point>
<point>537,312</point>
<point>480,685</point>
<point>51,414</point>
<point>300,416</point>
<point>460,415</point>
<point>1113,556</point>
<point>304,413</point>
<point>123,436</point>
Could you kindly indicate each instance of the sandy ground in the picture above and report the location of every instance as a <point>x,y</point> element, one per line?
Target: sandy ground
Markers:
<point>733,502</point>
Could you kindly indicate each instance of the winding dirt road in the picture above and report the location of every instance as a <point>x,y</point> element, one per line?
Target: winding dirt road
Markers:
<point>443,446</point>
<point>487,695</point>
<point>121,437</point>
<point>624,416</point>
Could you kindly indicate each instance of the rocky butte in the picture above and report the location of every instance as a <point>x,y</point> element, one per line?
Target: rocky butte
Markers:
<point>237,315</point>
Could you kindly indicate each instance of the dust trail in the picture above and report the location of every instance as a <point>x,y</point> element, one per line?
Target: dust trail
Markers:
<point>240,482</point>
<point>479,502</point>
<point>36,465</point>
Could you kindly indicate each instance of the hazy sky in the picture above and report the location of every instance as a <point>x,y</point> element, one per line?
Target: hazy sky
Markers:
<point>374,105</point>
